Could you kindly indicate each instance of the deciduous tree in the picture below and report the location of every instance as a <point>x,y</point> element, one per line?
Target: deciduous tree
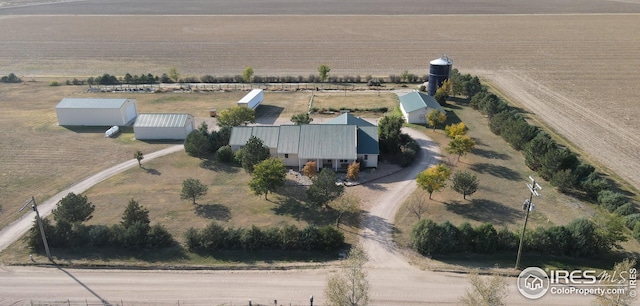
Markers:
<point>247,74</point>
<point>193,189</point>
<point>309,169</point>
<point>612,298</point>
<point>346,205</point>
<point>485,292</point>
<point>267,176</point>
<point>435,118</point>
<point>417,204</point>
<point>455,129</point>
<point>433,179</point>
<point>349,286</point>
<point>173,74</point>
<point>323,72</point>
<point>139,157</point>
<point>461,145</point>
<point>353,171</point>
<point>465,183</point>
<point>236,116</point>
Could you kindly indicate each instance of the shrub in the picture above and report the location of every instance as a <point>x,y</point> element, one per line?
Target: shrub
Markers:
<point>625,210</point>
<point>330,238</point>
<point>631,220</point>
<point>487,239</point>
<point>309,169</point>
<point>309,238</point>
<point>225,154</point>
<point>193,239</point>
<point>289,237</point>
<point>54,83</point>
<point>425,237</point>
<point>159,237</point>
<point>611,200</point>
<point>98,236</point>
<point>353,171</point>
<point>593,184</point>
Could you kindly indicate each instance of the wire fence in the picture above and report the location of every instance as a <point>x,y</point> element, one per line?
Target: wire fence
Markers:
<point>86,302</point>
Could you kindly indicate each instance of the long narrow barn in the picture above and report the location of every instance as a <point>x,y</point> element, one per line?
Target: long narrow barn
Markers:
<point>96,112</point>
<point>163,126</point>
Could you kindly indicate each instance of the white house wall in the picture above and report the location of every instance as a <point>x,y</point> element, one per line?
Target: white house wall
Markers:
<point>90,116</point>
<point>418,116</point>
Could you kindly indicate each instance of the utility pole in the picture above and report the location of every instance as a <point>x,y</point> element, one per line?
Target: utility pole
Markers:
<point>35,208</point>
<point>527,206</point>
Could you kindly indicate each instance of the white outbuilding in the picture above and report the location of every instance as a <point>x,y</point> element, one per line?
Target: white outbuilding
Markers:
<point>163,126</point>
<point>253,99</point>
<point>416,105</point>
<point>96,112</point>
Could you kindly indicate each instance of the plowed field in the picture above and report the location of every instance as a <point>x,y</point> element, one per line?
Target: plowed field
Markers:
<point>578,73</point>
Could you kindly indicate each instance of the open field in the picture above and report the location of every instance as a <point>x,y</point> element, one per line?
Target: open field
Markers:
<point>575,72</point>
<point>314,7</point>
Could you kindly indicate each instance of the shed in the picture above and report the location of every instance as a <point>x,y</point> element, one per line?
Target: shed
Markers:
<point>96,112</point>
<point>163,126</point>
<point>253,99</point>
<point>416,105</point>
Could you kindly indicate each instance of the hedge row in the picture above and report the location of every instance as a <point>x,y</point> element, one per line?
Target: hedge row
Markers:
<point>214,237</point>
<point>66,235</point>
<point>580,238</point>
<point>553,162</point>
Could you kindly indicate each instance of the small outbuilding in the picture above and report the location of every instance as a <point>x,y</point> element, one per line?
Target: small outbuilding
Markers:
<point>163,126</point>
<point>253,99</point>
<point>96,112</point>
<point>416,105</point>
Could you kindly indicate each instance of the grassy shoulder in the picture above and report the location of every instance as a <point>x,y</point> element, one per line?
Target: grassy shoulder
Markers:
<point>502,176</point>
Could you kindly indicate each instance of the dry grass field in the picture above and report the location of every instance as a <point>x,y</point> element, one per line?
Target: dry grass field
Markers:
<point>576,73</point>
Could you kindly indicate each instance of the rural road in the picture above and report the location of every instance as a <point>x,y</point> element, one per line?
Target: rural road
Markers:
<point>393,280</point>
<point>15,230</point>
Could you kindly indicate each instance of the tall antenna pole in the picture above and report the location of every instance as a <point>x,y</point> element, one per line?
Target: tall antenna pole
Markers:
<point>44,237</point>
<point>527,206</point>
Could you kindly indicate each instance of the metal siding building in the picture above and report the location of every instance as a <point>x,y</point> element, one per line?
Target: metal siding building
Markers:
<point>96,112</point>
<point>415,106</point>
<point>163,126</point>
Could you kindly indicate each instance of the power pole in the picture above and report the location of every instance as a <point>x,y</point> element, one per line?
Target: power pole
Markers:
<point>527,206</point>
<point>44,237</point>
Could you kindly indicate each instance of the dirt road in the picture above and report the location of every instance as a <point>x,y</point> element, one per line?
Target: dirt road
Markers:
<point>15,230</point>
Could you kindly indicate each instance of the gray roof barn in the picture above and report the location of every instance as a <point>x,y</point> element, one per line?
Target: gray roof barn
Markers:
<point>96,112</point>
<point>163,126</point>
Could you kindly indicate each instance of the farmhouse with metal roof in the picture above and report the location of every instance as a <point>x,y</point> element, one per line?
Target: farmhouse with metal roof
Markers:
<point>163,126</point>
<point>96,112</point>
<point>416,105</point>
<point>334,144</point>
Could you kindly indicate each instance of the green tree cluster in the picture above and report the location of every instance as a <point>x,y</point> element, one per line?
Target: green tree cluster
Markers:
<point>268,176</point>
<point>11,78</point>
<point>581,238</point>
<point>214,237</point>
<point>134,231</point>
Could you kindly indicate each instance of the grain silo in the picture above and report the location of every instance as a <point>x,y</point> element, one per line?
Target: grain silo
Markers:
<point>439,71</point>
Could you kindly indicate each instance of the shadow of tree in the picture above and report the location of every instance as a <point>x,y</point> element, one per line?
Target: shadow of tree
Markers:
<point>490,154</point>
<point>213,165</point>
<point>485,210</point>
<point>213,211</point>
<point>497,171</point>
<point>379,230</point>
<point>152,171</point>
<point>300,211</point>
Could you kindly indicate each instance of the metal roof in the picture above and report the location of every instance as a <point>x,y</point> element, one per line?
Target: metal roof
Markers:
<point>161,120</point>
<point>289,139</point>
<point>443,61</point>
<point>90,103</point>
<point>416,100</point>
<point>268,135</point>
<point>252,94</point>
<point>240,135</point>
<point>349,119</point>
<point>368,140</point>
<point>327,141</point>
